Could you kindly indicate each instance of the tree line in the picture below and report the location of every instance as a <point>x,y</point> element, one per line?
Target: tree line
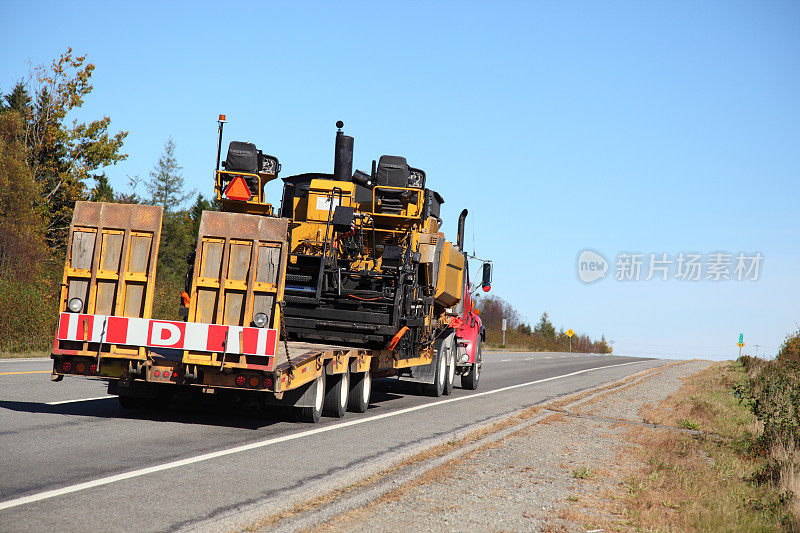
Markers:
<point>47,163</point>
<point>543,336</point>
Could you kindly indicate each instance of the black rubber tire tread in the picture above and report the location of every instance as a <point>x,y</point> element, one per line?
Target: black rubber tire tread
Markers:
<point>355,402</point>
<point>311,414</point>
<point>334,387</point>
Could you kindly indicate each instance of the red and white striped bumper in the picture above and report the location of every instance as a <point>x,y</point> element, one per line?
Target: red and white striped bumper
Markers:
<point>194,336</point>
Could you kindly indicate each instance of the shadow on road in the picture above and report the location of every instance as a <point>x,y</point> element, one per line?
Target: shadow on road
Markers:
<point>214,412</point>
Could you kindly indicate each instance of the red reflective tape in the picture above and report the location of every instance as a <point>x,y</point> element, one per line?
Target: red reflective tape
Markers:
<point>85,324</point>
<point>250,340</point>
<point>63,326</point>
<point>215,338</point>
<point>117,330</point>
<point>272,342</point>
<point>166,334</point>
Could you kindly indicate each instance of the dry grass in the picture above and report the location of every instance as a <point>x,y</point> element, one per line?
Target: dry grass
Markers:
<point>671,481</point>
<point>23,355</point>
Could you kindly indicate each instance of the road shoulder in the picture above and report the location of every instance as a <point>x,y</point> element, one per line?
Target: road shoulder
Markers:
<point>524,474</point>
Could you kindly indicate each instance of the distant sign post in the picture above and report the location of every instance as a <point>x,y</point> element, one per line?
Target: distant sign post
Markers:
<point>570,333</point>
<point>504,332</point>
<point>740,344</point>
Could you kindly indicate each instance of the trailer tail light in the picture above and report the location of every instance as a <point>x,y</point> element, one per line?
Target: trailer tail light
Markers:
<point>157,373</point>
<point>93,368</point>
<point>254,381</point>
<point>241,381</point>
<point>80,367</point>
<point>66,366</point>
<point>166,374</point>
<point>268,383</point>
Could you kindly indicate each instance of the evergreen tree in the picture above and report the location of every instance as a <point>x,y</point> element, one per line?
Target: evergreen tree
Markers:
<point>166,183</point>
<point>545,328</point>
<point>102,191</point>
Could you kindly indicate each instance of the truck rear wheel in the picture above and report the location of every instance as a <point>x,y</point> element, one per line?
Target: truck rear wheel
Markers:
<point>360,391</point>
<point>314,413</point>
<point>337,395</point>
<point>470,380</point>
<point>451,369</point>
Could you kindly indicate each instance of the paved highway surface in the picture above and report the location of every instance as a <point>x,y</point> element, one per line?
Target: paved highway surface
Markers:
<point>73,459</point>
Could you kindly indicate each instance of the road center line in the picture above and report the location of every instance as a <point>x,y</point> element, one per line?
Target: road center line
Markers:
<point>260,444</point>
<point>107,396</point>
<point>26,372</point>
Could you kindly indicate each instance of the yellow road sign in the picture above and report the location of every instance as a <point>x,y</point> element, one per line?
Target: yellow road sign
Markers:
<point>740,344</point>
<point>570,333</point>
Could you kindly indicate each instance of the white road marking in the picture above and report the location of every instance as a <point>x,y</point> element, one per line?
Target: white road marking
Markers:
<point>549,357</point>
<point>530,358</point>
<point>260,444</point>
<point>81,400</point>
<point>505,359</point>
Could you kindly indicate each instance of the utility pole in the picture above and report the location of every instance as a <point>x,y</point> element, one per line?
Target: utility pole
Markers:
<point>757,345</point>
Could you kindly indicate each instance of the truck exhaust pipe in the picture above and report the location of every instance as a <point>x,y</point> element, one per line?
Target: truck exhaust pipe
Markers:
<point>343,158</point>
<point>461,218</point>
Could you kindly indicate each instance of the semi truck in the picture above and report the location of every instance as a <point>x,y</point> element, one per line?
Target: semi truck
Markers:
<point>303,305</point>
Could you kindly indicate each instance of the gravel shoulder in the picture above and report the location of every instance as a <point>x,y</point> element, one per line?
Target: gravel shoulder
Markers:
<point>572,451</point>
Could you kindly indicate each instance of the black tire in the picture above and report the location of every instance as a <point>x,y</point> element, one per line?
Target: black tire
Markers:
<point>337,395</point>
<point>360,392</point>
<point>314,413</point>
<point>450,376</point>
<point>470,380</point>
<point>437,389</point>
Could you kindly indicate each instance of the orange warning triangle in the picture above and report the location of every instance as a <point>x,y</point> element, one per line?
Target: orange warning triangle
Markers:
<point>238,189</point>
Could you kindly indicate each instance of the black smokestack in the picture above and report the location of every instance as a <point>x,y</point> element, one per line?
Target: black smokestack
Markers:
<point>343,158</point>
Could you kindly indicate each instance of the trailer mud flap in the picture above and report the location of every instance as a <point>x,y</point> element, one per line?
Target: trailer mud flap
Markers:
<point>110,267</point>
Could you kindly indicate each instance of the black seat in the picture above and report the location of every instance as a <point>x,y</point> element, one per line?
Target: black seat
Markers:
<point>243,157</point>
<point>392,172</point>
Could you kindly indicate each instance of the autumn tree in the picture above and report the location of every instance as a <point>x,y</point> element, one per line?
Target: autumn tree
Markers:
<point>61,155</point>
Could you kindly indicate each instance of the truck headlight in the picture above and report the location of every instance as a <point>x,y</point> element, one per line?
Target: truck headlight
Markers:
<point>260,320</point>
<point>75,305</point>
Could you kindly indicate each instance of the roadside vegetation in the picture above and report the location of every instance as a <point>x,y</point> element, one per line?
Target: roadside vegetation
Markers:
<point>521,336</point>
<point>737,468</point>
<point>49,161</point>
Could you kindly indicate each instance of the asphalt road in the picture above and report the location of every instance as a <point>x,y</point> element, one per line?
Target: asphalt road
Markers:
<point>72,459</point>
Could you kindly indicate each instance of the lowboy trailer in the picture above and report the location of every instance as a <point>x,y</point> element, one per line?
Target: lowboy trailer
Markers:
<point>349,281</point>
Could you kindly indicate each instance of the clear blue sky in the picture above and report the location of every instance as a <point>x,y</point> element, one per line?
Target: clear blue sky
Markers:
<point>652,127</point>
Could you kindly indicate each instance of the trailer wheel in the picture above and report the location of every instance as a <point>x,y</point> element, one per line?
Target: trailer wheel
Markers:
<point>337,394</point>
<point>360,391</point>
<point>437,389</point>
<point>313,414</point>
<point>451,368</point>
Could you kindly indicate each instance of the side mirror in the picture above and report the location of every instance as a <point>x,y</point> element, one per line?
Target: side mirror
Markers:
<point>486,282</point>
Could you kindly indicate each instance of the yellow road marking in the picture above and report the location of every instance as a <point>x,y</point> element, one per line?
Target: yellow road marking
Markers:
<point>27,372</point>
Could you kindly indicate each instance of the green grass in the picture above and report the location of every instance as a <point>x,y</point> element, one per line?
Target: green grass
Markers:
<point>582,472</point>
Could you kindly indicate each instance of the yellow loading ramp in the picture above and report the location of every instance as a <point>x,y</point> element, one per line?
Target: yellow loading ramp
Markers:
<point>110,265</point>
<point>239,271</point>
